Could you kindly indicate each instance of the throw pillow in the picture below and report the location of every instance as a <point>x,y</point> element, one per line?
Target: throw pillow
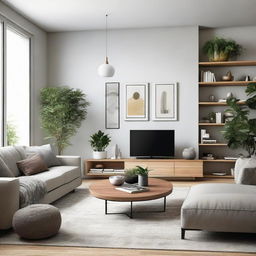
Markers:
<point>242,163</point>
<point>32,165</point>
<point>4,170</point>
<point>247,176</point>
<point>46,152</point>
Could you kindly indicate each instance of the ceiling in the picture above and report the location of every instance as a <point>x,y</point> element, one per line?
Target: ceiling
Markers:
<point>73,15</point>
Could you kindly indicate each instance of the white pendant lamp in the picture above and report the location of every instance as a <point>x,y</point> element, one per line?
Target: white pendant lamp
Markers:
<point>106,70</point>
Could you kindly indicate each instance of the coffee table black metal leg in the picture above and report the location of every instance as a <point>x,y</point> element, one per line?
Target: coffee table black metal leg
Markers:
<point>164,203</point>
<point>106,206</point>
<point>131,211</point>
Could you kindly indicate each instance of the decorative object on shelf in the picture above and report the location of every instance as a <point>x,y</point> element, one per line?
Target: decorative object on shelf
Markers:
<point>99,166</point>
<point>219,173</point>
<point>142,176</point>
<point>131,176</point>
<point>62,111</point>
<point>106,70</point>
<point>189,153</point>
<point>218,117</point>
<point>212,98</point>
<point>119,154</point>
<point>136,101</point>
<point>116,180</point>
<point>208,156</point>
<point>164,102</point>
<point>240,131</point>
<point>247,78</point>
<point>229,95</point>
<point>220,49</point>
<point>115,151</point>
<point>205,138</point>
<point>254,78</point>
<point>212,117</point>
<point>228,77</point>
<point>112,105</point>
<point>99,142</point>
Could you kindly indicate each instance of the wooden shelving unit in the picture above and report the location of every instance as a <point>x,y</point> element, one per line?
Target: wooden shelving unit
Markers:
<point>219,176</point>
<point>224,83</point>
<point>209,103</point>
<point>211,124</point>
<point>228,63</point>
<point>201,104</point>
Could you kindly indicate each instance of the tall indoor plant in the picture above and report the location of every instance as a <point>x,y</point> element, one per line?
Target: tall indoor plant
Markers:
<point>62,111</point>
<point>99,142</point>
<point>240,131</point>
<point>221,49</point>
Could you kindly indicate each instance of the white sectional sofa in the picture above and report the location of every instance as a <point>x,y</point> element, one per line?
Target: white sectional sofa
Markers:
<point>59,180</point>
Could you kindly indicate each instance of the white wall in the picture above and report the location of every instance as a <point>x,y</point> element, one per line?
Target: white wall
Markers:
<point>139,55</point>
<point>39,56</point>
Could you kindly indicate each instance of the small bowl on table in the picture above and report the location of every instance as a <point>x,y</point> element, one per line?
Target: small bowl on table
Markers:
<point>117,180</point>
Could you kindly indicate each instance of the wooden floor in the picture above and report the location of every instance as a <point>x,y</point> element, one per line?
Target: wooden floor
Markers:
<point>25,250</point>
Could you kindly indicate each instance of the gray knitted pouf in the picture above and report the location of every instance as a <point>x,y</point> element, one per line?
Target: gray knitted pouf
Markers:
<point>37,221</point>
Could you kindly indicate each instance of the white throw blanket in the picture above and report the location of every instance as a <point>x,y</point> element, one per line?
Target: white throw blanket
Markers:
<point>31,190</point>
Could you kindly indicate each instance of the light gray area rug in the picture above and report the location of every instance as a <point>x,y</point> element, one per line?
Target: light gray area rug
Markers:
<point>85,224</point>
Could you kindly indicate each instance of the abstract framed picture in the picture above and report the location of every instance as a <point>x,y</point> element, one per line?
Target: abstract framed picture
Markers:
<point>112,105</point>
<point>136,102</point>
<point>164,102</point>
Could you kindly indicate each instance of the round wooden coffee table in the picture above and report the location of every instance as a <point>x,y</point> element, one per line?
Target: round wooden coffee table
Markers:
<point>157,189</point>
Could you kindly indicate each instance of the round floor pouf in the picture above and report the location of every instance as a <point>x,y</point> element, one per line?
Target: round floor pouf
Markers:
<point>37,221</point>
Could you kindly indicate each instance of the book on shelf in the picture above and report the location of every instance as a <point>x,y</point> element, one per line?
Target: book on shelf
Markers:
<point>132,188</point>
<point>207,76</point>
<point>208,141</point>
<point>208,158</point>
<point>96,170</point>
<point>108,170</point>
<point>230,158</point>
<point>119,170</point>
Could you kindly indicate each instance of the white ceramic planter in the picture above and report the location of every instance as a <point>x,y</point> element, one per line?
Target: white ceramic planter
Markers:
<point>99,154</point>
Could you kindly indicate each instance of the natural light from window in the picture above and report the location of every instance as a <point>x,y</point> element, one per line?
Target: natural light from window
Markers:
<point>17,88</point>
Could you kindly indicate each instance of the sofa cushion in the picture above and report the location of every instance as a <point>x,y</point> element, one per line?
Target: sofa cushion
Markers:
<point>11,156</point>
<point>220,207</point>
<point>242,163</point>
<point>32,165</point>
<point>46,152</point>
<point>4,170</point>
<point>58,175</point>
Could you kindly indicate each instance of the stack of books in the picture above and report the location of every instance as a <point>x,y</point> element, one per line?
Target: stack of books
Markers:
<point>207,76</point>
<point>208,141</point>
<point>132,188</point>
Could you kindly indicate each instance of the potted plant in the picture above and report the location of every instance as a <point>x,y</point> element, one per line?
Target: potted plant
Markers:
<point>240,131</point>
<point>221,49</point>
<point>142,175</point>
<point>62,111</point>
<point>99,142</point>
<point>131,176</point>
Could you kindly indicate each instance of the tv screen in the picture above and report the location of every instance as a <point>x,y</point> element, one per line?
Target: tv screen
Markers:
<point>152,143</point>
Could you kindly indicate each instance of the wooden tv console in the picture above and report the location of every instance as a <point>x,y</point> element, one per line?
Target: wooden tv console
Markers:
<point>160,167</point>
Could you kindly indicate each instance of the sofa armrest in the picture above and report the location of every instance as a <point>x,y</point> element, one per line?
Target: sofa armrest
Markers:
<point>9,201</point>
<point>70,160</point>
<point>247,176</point>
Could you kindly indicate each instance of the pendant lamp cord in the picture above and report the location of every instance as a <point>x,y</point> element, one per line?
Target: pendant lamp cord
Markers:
<point>106,38</point>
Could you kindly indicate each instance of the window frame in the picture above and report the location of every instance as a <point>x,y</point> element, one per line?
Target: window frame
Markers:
<point>7,24</point>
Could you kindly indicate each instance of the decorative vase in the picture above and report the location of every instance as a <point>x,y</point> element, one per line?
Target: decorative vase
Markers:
<point>143,180</point>
<point>189,153</point>
<point>99,154</point>
<point>131,179</point>
<point>219,56</point>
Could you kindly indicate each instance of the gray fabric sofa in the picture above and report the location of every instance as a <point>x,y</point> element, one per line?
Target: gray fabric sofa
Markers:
<point>223,207</point>
<point>59,181</point>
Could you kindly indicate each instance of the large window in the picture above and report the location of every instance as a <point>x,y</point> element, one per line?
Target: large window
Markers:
<point>15,79</point>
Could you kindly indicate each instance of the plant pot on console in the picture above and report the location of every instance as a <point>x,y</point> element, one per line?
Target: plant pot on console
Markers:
<point>99,154</point>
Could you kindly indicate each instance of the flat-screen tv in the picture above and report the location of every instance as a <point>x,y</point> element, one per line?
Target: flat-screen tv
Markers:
<point>152,143</point>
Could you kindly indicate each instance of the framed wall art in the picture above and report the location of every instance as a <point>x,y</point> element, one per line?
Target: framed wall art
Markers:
<point>136,102</point>
<point>112,105</point>
<point>164,97</point>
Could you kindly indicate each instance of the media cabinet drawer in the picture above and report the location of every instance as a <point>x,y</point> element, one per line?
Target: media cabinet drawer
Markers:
<point>188,169</point>
<point>159,169</point>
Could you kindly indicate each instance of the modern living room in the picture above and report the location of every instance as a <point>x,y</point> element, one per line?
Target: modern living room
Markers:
<point>127,127</point>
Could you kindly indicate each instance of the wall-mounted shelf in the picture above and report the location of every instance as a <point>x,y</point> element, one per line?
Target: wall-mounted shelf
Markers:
<point>212,145</point>
<point>225,83</point>
<point>211,124</point>
<point>228,63</point>
<point>209,103</point>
